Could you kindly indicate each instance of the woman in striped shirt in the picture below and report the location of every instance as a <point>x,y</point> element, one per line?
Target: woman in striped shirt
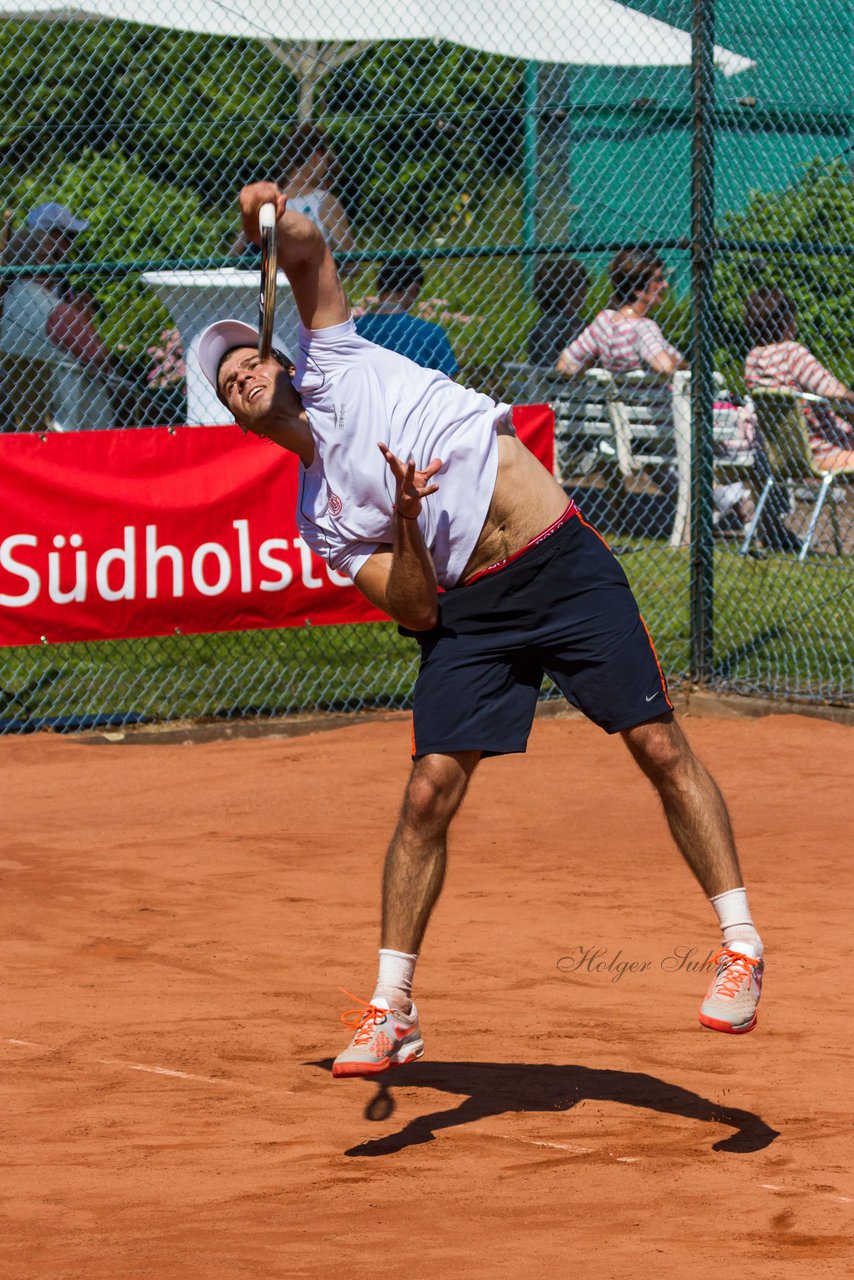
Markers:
<point>778,360</point>
<point>622,337</point>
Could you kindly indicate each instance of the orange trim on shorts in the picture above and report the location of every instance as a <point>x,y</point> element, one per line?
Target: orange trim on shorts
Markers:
<point>413,738</point>
<point>589,526</point>
<point>657,663</point>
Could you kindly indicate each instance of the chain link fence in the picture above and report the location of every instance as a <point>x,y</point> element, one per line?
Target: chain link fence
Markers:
<point>513,155</point>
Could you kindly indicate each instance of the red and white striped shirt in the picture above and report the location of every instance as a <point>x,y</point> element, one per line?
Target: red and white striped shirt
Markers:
<point>790,366</point>
<point>619,343</point>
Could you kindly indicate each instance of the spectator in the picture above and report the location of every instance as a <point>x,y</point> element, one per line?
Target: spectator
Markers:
<point>53,330</point>
<point>560,289</point>
<point>776,359</point>
<point>622,336</point>
<point>308,172</point>
<point>399,282</point>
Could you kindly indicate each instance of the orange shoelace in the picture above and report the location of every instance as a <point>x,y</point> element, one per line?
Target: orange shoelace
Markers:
<point>736,971</point>
<point>362,1020</point>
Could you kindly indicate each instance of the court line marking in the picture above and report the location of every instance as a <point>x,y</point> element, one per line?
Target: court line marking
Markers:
<point>151,1069</point>
<point>581,1151</point>
<point>531,1142</point>
<point>572,1148</point>
<point>505,1137</point>
<point>826,1195</point>
<point>164,1071</point>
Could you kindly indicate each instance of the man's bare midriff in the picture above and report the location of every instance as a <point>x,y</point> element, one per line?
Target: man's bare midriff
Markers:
<point>525,501</point>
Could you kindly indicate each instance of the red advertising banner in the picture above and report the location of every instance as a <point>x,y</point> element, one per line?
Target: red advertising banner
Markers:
<point>535,427</point>
<point>114,534</point>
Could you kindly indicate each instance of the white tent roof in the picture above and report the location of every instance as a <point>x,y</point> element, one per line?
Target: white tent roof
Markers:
<point>576,32</point>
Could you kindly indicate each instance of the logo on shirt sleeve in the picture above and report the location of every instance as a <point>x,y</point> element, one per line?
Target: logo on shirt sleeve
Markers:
<point>335,506</point>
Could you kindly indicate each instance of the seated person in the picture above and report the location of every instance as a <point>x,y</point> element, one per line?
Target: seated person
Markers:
<point>43,321</point>
<point>560,288</point>
<point>777,360</point>
<point>391,325</point>
<point>308,173</point>
<point>622,337</point>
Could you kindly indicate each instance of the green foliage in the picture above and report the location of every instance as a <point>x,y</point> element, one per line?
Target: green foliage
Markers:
<point>132,219</point>
<point>817,210</point>
<point>150,133</point>
<point>172,103</point>
<point>411,142</point>
<point>168,100</point>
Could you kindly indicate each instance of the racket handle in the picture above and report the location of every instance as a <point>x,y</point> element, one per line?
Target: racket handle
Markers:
<point>267,294</point>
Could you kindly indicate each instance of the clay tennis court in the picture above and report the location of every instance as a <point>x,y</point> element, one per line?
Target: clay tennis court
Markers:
<point>177,918</point>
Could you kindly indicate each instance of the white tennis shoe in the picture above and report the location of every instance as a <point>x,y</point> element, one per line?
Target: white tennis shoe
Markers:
<point>733,994</point>
<point>383,1038</point>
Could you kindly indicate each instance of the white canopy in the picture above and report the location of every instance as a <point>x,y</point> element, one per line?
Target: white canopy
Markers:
<point>575,32</point>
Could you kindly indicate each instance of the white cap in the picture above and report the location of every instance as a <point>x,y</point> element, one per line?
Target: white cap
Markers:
<point>54,217</point>
<point>219,338</point>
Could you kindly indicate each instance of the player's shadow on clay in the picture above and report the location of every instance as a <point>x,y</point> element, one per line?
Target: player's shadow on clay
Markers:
<point>492,1089</point>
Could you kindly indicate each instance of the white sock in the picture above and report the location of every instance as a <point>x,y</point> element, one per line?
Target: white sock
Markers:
<point>736,921</point>
<point>394,980</point>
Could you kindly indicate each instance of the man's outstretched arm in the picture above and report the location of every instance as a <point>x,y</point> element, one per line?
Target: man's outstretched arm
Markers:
<point>401,580</point>
<point>303,256</point>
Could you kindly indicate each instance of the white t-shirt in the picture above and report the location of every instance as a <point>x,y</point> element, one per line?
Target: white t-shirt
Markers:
<point>27,307</point>
<point>79,398</point>
<point>309,204</point>
<point>357,394</point>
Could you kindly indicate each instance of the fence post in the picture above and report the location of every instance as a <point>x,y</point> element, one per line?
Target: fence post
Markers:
<point>702,353</point>
<point>530,160</point>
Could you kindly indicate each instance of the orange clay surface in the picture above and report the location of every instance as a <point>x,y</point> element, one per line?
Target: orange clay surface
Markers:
<point>177,918</point>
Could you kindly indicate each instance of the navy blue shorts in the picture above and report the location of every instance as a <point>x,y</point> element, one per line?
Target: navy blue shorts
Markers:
<point>563,608</point>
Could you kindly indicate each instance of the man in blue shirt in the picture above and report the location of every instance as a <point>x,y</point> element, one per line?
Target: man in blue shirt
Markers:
<point>399,283</point>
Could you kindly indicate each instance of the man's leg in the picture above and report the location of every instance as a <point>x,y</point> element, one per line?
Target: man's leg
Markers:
<point>699,822</point>
<point>693,805</point>
<point>387,1032</point>
<point>415,862</point>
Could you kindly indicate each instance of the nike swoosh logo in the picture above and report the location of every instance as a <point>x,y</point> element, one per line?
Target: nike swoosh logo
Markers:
<point>652,696</point>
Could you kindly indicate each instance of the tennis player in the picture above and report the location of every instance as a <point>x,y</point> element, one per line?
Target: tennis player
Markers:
<point>410,483</point>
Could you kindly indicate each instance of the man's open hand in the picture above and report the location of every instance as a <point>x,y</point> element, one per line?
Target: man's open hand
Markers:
<point>411,486</point>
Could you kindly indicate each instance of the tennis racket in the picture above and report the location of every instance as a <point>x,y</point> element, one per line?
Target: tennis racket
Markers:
<point>269,266</point>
